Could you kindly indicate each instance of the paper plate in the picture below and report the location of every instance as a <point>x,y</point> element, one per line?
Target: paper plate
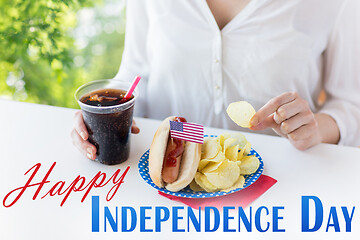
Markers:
<point>187,192</point>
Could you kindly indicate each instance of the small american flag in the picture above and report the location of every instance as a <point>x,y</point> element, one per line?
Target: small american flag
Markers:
<point>187,131</point>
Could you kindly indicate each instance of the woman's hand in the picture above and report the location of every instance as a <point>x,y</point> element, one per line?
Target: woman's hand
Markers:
<point>80,136</point>
<point>291,117</point>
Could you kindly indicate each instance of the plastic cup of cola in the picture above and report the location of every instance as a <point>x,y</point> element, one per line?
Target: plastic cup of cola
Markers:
<point>108,118</point>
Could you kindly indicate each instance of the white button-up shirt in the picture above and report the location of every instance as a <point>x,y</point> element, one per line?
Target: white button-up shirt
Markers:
<point>192,69</point>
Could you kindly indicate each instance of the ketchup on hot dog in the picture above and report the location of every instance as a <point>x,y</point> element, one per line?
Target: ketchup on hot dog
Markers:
<point>170,160</point>
<point>174,151</point>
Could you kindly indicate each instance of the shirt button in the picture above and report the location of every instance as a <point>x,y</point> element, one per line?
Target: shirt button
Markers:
<point>217,87</point>
<point>217,60</point>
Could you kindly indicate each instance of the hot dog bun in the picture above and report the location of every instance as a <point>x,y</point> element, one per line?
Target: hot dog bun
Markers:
<point>189,162</point>
<point>157,151</point>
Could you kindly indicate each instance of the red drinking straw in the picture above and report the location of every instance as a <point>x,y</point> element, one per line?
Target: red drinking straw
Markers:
<point>132,87</point>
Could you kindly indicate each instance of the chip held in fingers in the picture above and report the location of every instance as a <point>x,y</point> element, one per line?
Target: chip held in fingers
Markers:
<point>241,113</point>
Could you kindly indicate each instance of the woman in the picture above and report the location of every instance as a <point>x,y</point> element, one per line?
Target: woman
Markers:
<point>199,56</point>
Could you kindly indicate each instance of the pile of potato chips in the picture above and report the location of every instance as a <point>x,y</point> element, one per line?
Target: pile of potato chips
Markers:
<point>224,162</point>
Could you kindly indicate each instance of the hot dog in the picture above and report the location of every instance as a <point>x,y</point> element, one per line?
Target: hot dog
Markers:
<point>171,165</point>
<point>173,155</point>
<point>172,162</point>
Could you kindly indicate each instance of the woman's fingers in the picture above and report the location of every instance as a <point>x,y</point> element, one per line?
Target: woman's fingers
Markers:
<point>79,125</point>
<point>305,136</point>
<point>290,109</point>
<point>289,116</point>
<point>267,123</point>
<point>295,122</point>
<point>272,106</point>
<point>84,147</point>
<point>134,128</point>
<point>303,132</point>
<point>80,136</point>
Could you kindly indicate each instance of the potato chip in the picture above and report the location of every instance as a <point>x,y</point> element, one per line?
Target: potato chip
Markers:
<point>221,140</point>
<point>195,187</point>
<point>229,142</point>
<point>211,166</point>
<point>238,184</point>
<point>225,136</point>
<point>232,153</point>
<point>204,183</point>
<point>219,157</point>
<point>244,151</point>
<point>241,113</point>
<point>203,164</point>
<point>240,155</point>
<point>242,141</point>
<point>249,165</point>
<point>210,149</point>
<point>206,139</point>
<point>247,149</point>
<point>225,176</point>
<point>240,138</point>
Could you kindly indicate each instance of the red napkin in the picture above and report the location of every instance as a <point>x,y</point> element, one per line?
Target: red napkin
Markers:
<point>241,198</point>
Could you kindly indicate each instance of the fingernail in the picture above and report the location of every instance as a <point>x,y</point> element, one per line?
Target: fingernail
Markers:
<point>254,121</point>
<point>83,135</point>
<point>89,153</point>
<point>89,150</point>
<point>282,114</point>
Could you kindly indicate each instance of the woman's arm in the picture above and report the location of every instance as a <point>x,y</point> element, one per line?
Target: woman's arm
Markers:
<point>133,62</point>
<point>134,59</point>
<point>342,74</point>
<point>328,129</point>
<point>338,121</point>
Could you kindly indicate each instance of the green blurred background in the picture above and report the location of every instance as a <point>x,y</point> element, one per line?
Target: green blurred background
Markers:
<point>48,48</point>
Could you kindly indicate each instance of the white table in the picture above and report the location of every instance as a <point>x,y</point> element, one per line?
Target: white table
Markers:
<point>31,134</point>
